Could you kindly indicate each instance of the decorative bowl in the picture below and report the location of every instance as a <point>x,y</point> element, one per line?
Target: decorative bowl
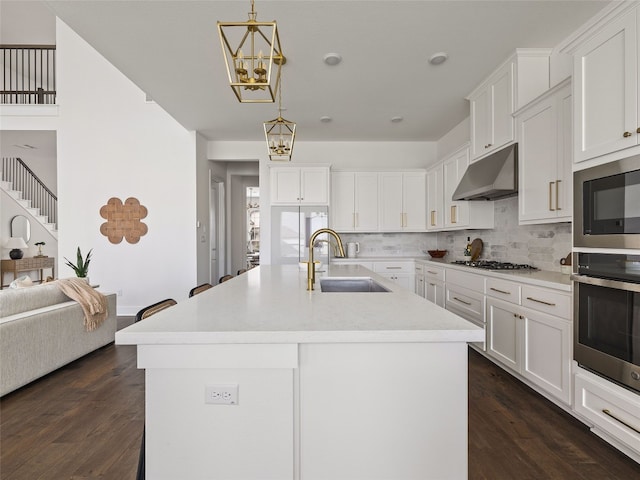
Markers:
<point>437,253</point>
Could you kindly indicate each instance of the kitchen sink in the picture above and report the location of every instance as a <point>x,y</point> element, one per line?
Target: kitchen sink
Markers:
<point>351,284</point>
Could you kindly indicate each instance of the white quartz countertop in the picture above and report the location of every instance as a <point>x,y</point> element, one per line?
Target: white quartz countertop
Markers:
<point>541,278</point>
<point>270,304</point>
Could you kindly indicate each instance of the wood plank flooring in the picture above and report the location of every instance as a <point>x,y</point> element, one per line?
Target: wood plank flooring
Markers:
<point>85,420</point>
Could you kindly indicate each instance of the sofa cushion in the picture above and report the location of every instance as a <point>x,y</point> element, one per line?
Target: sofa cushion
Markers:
<point>20,300</point>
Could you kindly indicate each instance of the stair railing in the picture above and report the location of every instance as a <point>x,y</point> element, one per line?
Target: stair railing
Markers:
<point>22,178</point>
<point>29,74</point>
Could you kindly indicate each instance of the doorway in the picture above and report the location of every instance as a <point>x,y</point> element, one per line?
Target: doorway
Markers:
<point>217,230</point>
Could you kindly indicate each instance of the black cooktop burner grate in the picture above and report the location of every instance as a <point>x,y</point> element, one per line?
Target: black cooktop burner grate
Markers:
<point>494,265</point>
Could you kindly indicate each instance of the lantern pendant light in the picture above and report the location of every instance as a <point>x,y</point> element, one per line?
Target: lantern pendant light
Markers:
<point>280,134</point>
<point>253,65</point>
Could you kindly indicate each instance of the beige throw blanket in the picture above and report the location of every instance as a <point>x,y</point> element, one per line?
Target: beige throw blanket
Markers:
<point>93,303</point>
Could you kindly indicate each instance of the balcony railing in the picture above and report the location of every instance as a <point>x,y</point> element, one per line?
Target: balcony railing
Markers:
<point>22,178</point>
<point>29,74</point>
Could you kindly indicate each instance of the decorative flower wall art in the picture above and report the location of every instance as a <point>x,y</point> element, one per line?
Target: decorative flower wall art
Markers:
<point>123,220</point>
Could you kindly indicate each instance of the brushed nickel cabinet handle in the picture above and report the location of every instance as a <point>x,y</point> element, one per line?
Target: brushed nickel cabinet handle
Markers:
<point>499,291</point>
<point>638,130</point>
<point>461,301</point>
<point>626,134</point>
<point>558,194</point>
<point>608,413</point>
<point>393,268</point>
<point>433,222</point>
<point>541,301</point>
<point>453,214</point>
<point>432,273</point>
<point>551,209</point>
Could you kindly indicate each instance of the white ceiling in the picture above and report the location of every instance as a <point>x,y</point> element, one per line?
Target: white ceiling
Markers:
<point>170,49</point>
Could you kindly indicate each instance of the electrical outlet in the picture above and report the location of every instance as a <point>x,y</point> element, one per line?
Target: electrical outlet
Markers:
<point>221,394</point>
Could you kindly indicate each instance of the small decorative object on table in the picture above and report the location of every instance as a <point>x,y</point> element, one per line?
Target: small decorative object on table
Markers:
<point>39,245</point>
<point>437,253</point>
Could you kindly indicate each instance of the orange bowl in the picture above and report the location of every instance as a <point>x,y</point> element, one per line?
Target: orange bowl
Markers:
<point>437,253</point>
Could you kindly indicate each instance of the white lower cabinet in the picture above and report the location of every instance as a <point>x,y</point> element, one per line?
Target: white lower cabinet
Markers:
<point>434,284</point>
<point>464,295</point>
<point>612,411</point>
<point>401,273</point>
<point>419,279</point>
<point>532,343</point>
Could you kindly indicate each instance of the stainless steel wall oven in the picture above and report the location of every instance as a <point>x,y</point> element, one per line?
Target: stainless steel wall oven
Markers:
<point>607,316</point>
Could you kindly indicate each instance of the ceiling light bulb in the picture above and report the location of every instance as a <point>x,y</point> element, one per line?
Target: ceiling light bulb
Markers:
<point>438,58</point>
<point>332,58</point>
<point>325,119</point>
<point>396,119</point>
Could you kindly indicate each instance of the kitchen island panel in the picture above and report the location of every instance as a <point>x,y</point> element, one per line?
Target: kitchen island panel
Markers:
<point>381,411</point>
<point>188,439</point>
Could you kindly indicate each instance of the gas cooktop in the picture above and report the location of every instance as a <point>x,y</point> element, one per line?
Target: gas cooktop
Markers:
<point>494,265</point>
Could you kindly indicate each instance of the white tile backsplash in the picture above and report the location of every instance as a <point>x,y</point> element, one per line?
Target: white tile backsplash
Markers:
<point>539,245</point>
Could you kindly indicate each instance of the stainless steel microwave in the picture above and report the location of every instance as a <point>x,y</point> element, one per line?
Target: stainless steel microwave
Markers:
<point>607,205</point>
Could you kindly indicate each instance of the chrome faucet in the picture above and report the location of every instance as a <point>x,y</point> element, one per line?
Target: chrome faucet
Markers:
<point>311,268</point>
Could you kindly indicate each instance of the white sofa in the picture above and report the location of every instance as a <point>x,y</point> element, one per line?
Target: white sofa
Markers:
<point>41,329</point>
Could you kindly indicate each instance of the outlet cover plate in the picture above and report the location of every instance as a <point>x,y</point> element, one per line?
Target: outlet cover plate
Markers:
<point>226,394</point>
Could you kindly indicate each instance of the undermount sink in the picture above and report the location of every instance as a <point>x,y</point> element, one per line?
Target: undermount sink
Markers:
<point>350,284</point>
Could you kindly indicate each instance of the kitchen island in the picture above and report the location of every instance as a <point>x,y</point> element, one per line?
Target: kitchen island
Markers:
<point>329,385</point>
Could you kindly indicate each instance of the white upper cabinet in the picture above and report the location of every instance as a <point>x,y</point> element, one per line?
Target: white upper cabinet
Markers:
<point>354,201</point>
<point>606,89</point>
<point>462,214</point>
<point>299,185</point>
<point>435,199</point>
<point>402,201</point>
<point>543,132</point>
<point>491,108</point>
<point>524,76</point>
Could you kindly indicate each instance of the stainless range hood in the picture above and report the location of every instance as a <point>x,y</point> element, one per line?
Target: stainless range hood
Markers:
<point>491,178</point>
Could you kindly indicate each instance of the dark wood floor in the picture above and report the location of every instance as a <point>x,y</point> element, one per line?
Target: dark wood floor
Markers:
<point>85,420</point>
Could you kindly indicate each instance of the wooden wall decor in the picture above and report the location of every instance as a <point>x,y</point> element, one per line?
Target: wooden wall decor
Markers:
<point>123,220</point>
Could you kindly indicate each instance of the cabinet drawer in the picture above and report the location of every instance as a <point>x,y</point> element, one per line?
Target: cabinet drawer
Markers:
<point>419,268</point>
<point>434,273</point>
<point>611,409</point>
<point>504,290</point>
<point>467,304</point>
<point>470,281</point>
<point>393,267</point>
<point>548,301</point>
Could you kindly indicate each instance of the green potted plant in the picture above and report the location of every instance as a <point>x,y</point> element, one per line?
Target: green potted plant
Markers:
<point>81,267</point>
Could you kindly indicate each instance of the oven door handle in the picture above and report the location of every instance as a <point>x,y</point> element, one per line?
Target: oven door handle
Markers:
<point>606,282</point>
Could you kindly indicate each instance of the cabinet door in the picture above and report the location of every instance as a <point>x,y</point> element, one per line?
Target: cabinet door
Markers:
<point>502,130</point>
<point>456,213</point>
<point>366,201</point>
<point>285,186</point>
<point>565,155</point>
<point>314,185</point>
<point>537,137</point>
<point>503,336</point>
<point>435,219</point>
<point>391,214</point>
<point>480,122</point>
<point>547,353</point>
<point>343,201</point>
<point>606,85</point>
<point>414,201</point>
<point>420,285</point>
<point>434,292</point>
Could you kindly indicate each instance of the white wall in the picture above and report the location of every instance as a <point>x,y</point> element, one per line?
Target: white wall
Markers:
<point>455,137</point>
<point>111,143</point>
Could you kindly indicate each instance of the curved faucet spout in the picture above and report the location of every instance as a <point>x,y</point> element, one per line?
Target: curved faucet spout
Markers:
<point>311,268</point>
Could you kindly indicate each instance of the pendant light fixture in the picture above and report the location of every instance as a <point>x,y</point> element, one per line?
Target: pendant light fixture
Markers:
<point>250,63</point>
<point>280,134</point>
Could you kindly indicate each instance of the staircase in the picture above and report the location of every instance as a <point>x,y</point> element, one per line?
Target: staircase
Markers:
<point>26,189</point>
